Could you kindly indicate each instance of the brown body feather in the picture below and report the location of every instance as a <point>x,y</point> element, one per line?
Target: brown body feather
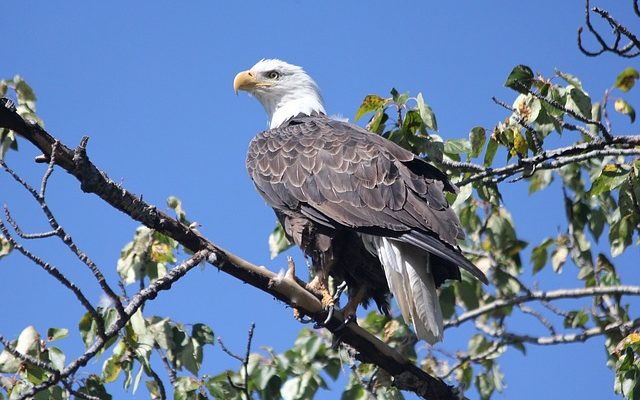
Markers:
<point>330,182</point>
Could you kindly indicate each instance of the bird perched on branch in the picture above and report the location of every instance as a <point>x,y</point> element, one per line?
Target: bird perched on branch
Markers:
<point>365,210</point>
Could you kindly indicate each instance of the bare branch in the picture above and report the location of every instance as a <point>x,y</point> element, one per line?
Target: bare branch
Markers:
<point>556,158</point>
<point>150,292</point>
<point>561,338</point>
<point>53,271</point>
<point>171,372</point>
<point>60,232</point>
<point>244,361</point>
<point>27,358</point>
<point>629,50</point>
<point>539,295</point>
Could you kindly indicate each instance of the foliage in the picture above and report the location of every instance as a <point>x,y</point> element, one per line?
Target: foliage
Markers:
<point>600,193</point>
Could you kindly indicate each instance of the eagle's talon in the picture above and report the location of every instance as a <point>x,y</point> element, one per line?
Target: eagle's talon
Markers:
<point>339,290</point>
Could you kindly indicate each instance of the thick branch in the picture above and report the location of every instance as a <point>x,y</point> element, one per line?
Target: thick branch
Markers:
<point>370,349</point>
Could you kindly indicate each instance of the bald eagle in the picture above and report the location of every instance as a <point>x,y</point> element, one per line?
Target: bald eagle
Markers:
<point>365,210</point>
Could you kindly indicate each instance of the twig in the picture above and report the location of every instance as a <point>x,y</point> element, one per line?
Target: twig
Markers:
<point>462,166</point>
<point>243,360</point>
<point>59,276</point>
<point>171,372</point>
<point>603,129</point>
<point>158,381</point>
<point>60,232</point>
<point>618,30</point>
<point>150,292</point>
<point>556,158</point>
<point>543,320</point>
<point>522,123</point>
<point>27,358</point>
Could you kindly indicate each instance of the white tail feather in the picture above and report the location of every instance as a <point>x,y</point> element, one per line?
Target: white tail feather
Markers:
<point>410,280</point>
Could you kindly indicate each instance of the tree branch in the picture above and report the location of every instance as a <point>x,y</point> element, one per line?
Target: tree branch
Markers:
<point>539,295</point>
<point>556,158</point>
<point>629,50</point>
<point>370,349</point>
<point>561,338</point>
<point>150,292</point>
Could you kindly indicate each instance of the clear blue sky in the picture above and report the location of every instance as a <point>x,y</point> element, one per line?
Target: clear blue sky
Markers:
<point>150,83</point>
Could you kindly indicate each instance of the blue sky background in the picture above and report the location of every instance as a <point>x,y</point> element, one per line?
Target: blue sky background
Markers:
<point>151,84</point>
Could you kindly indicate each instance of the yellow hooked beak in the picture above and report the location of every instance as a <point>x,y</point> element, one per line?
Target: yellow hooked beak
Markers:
<point>246,80</point>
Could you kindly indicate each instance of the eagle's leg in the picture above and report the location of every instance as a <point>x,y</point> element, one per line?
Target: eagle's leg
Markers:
<point>318,286</point>
<point>349,310</point>
<point>339,290</point>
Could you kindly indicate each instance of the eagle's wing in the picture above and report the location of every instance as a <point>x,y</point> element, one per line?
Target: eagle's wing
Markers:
<point>337,173</point>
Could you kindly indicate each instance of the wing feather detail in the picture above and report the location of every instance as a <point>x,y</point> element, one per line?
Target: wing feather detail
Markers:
<point>352,178</point>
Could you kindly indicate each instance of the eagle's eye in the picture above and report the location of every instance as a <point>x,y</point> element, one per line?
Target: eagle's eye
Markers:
<point>273,75</point>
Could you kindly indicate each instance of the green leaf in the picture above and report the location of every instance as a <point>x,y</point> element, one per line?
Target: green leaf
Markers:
<point>540,180</point>
<point>278,241</point>
<point>520,79</point>
<point>377,122</point>
<point>520,146</point>
<point>5,246</point>
<point>626,79</point>
<point>370,103</point>
<point>625,108</point>
<point>457,146</point>
<point>610,177</point>
<point>434,150</point>
<point>490,153</point>
<point>185,386</point>
<point>203,334</point>
<point>111,369</point>
<point>56,333</point>
<point>570,79</point>
<point>94,387</point>
<point>88,329</point>
<point>175,204</point>
<point>466,292</point>
<point>56,357</point>
<point>559,257</point>
<point>399,98</point>
<point>578,102</point>
<point>477,138</point>
<point>539,255</point>
<point>576,319</point>
<point>527,107</point>
<point>426,113</point>
<point>620,235</point>
<point>8,363</point>
<point>463,194</point>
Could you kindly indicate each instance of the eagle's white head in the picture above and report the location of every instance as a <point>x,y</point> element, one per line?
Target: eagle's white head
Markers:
<point>284,90</point>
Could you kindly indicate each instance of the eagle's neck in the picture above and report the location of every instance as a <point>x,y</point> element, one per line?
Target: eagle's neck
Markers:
<point>302,101</point>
